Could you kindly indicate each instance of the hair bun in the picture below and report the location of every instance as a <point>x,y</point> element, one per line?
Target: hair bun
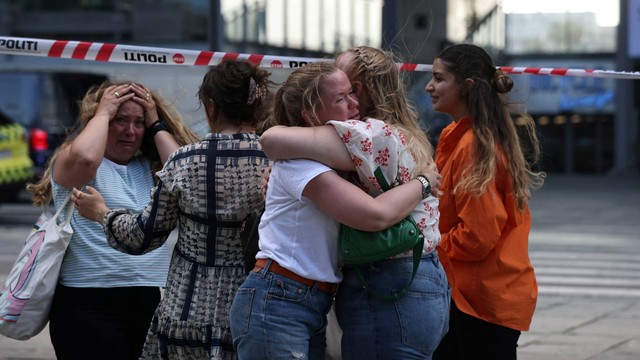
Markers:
<point>502,82</point>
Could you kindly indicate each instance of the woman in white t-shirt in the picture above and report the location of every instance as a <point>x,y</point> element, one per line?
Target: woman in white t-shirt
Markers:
<point>280,310</point>
<point>407,327</point>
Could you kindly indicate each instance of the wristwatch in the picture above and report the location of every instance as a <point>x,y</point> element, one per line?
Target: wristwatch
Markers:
<point>156,127</point>
<point>426,186</point>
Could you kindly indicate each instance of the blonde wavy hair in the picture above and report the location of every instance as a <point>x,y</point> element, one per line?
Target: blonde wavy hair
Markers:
<point>301,92</point>
<point>41,190</point>
<point>383,96</point>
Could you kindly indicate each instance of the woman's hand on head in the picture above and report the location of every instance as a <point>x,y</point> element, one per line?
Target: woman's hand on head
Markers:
<point>145,99</point>
<point>112,98</point>
<point>89,204</point>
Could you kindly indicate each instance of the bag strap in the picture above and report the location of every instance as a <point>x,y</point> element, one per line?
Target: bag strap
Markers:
<point>417,253</point>
<point>381,180</point>
<point>66,204</point>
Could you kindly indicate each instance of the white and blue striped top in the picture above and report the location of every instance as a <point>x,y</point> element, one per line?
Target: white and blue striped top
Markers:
<point>89,260</point>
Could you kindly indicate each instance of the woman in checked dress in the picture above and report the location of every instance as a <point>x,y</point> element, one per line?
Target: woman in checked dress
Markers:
<point>206,190</point>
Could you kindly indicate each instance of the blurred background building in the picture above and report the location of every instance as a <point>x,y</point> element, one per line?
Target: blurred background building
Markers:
<point>588,125</point>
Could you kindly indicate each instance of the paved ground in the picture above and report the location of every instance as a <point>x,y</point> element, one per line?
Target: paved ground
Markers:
<point>585,246</point>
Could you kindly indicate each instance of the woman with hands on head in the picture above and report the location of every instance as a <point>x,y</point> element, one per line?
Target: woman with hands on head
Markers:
<point>104,301</point>
<point>389,137</point>
<point>206,189</point>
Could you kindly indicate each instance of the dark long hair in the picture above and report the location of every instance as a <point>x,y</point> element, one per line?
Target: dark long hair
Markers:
<point>496,136</point>
<point>239,90</point>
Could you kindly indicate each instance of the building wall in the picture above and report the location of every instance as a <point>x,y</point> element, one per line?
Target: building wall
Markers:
<point>418,31</point>
<point>421,31</point>
<point>462,14</point>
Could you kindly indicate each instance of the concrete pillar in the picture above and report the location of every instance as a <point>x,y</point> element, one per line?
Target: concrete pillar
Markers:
<point>415,30</point>
<point>626,123</point>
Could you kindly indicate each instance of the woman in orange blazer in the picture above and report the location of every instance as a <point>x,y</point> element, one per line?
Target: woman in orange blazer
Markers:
<point>484,213</point>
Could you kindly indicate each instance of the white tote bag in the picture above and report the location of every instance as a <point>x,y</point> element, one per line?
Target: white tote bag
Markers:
<point>28,292</point>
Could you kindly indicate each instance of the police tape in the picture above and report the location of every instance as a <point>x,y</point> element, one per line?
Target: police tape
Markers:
<point>132,54</point>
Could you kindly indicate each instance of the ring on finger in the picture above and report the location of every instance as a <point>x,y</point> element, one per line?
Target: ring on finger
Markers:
<point>148,96</point>
<point>117,94</point>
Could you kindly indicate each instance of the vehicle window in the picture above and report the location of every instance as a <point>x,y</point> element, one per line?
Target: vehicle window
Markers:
<point>74,86</point>
<point>54,112</point>
<point>18,94</point>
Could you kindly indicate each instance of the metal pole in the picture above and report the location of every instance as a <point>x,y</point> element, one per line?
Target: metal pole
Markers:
<point>216,27</point>
<point>623,125</point>
<point>389,23</point>
<point>285,24</point>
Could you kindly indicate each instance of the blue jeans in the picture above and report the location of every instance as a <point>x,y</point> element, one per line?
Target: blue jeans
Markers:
<point>273,317</point>
<point>408,328</point>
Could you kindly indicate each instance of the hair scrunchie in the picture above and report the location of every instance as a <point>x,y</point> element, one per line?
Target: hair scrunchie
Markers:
<point>256,92</point>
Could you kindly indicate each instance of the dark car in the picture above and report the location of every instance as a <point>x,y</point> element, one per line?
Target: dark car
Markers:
<point>45,104</point>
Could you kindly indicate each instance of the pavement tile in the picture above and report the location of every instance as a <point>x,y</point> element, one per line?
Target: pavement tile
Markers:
<point>37,348</point>
<point>567,346</point>
<point>578,211</point>
<point>627,350</point>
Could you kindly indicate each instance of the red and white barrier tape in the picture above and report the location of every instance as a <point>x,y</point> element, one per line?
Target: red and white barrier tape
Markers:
<point>131,54</point>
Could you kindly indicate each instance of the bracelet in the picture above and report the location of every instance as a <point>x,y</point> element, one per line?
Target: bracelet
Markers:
<point>156,127</point>
<point>426,186</point>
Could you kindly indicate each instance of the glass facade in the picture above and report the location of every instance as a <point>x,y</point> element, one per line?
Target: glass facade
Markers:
<point>558,33</point>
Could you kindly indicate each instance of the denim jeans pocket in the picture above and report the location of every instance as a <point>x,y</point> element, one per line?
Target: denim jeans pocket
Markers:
<point>240,313</point>
<point>283,288</point>
<point>424,316</point>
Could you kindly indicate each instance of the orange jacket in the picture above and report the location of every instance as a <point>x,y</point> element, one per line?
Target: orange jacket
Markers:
<point>484,246</point>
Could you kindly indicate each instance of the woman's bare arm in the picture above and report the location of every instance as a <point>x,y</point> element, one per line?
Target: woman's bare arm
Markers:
<point>350,205</point>
<point>320,143</point>
<point>77,163</point>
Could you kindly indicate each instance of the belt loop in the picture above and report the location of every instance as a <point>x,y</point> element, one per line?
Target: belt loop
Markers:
<point>314,288</point>
<point>434,258</point>
<point>263,271</point>
<point>267,265</point>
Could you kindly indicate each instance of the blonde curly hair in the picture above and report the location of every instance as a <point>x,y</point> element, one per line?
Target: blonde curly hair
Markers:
<point>383,96</point>
<point>41,190</point>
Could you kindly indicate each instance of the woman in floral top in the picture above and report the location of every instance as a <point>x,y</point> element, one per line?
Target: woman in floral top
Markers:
<point>410,327</point>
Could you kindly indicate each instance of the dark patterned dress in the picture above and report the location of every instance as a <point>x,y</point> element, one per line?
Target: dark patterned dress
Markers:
<point>206,189</point>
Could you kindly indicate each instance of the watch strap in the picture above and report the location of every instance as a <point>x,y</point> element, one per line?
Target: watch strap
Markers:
<point>426,186</point>
<point>156,127</point>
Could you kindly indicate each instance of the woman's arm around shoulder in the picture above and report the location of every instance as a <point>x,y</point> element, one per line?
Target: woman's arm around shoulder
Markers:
<point>320,143</point>
<point>350,205</point>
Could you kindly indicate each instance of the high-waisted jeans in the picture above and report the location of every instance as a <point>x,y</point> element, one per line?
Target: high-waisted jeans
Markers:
<point>408,328</point>
<point>274,317</point>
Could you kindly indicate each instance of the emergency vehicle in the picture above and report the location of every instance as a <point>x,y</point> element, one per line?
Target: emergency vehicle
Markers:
<point>16,167</point>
